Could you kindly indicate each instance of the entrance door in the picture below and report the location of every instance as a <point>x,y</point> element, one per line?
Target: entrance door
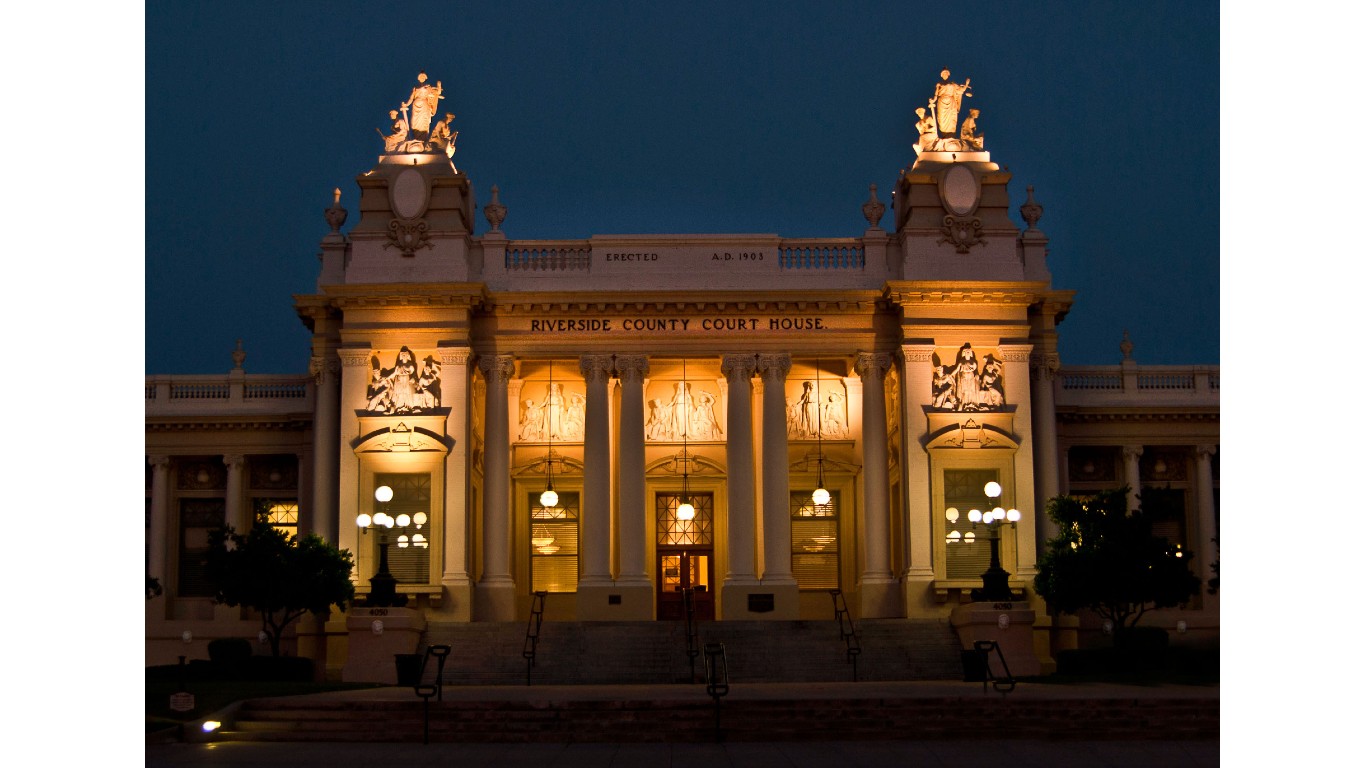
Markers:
<point>680,569</point>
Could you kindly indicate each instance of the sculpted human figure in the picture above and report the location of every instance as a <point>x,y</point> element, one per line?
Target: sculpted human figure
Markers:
<point>810,409</point>
<point>655,428</point>
<point>969,132</point>
<point>992,393</point>
<point>429,384</point>
<point>574,415</point>
<point>704,418</point>
<point>681,411</point>
<point>927,129</point>
<point>403,382</point>
<point>442,138</point>
<point>948,99</point>
<point>377,392</point>
<point>966,386</point>
<point>533,421</point>
<point>423,101</point>
<point>554,408</point>
<point>832,415</point>
<point>395,140</point>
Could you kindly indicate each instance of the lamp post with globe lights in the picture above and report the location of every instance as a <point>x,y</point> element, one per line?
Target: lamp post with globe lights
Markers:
<point>383,585</point>
<point>995,580</point>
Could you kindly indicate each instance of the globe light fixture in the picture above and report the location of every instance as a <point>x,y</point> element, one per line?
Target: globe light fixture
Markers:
<point>685,511</point>
<point>995,580</point>
<point>549,499</point>
<point>820,497</point>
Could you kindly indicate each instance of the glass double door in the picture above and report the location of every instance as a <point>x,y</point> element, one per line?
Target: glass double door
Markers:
<point>679,570</point>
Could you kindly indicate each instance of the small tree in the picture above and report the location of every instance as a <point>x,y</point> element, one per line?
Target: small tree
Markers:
<point>280,576</point>
<point>1107,560</point>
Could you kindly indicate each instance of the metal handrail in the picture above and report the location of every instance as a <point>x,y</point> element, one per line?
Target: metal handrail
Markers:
<point>848,630</point>
<point>690,612</point>
<point>1004,683</point>
<point>533,632</point>
<point>718,679</point>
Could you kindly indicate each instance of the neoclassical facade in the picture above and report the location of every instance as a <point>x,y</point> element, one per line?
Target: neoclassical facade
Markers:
<point>683,396</point>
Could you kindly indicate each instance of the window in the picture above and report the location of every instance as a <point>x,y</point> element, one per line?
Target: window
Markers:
<point>674,532</point>
<point>197,518</point>
<point>554,543</point>
<point>409,544</point>
<point>815,541</point>
<point>1166,508</point>
<point>282,514</point>
<point>967,552</point>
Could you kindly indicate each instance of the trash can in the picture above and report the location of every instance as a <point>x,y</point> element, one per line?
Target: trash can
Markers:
<point>409,668</point>
<point>974,666</point>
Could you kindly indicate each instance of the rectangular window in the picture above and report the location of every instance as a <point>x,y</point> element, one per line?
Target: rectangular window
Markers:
<point>967,552</point>
<point>409,542</point>
<point>674,530</point>
<point>282,514</point>
<point>197,518</point>
<point>1167,510</point>
<point>555,543</point>
<point>815,541</point>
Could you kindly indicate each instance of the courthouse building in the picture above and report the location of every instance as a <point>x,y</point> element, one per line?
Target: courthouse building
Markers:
<point>683,396</point>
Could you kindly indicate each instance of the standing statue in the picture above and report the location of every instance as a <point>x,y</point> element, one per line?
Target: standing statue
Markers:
<point>424,102</point>
<point>810,410</point>
<point>553,405</point>
<point>948,99</point>
<point>680,417</point>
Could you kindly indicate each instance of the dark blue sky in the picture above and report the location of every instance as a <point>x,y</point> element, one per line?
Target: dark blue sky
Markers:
<point>628,117</point>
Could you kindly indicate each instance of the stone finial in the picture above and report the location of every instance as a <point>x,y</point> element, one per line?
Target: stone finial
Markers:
<point>1031,211</point>
<point>1127,347</point>
<point>873,209</point>
<point>495,211</point>
<point>336,215</point>
<point>239,356</point>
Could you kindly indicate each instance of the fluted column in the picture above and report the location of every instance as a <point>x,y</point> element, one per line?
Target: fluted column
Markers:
<point>1131,476</point>
<point>595,546</point>
<point>632,369</point>
<point>871,368</point>
<point>496,582</point>
<point>1018,392</point>
<point>1043,367</point>
<point>161,501</point>
<point>234,514</point>
<point>917,389</point>
<point>1207,550</point>
<point>739,373</point>
<point>324,519</point>
<point>777,512</point>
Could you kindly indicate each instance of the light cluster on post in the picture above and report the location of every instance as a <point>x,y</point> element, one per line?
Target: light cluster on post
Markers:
<point>995,580</point>
<point>383,586</point>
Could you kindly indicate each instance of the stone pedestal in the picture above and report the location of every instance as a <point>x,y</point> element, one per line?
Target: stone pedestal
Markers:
<point>1011,625</point>
<point>616,602</point>
<point>374,636</point>
<point>759,602</point>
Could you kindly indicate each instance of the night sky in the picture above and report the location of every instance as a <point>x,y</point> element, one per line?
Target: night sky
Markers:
<point>618,118</point>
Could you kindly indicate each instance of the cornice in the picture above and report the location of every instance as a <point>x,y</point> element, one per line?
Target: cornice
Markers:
<point>370,295</point>
<point>1010,292</point>
<point>853,302</point>
<point>1074,416</point>
<point>252,424</point>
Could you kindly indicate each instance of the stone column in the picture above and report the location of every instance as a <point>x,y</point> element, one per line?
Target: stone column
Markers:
<point>1043,367</point>
<point>1131,476</point>
<point>235,512</point>
<point>777,512</point>
<point>1207,551</point>
<point>876,586</point>
<point>917,386</point>
<point>740,501</point>
<point>325,516</point>
<point>632,370</point>
<point>457,602</point>
<point>496,593</point>
<point>1016,381</point>
<point>161,515</point>
<point>595,545</point>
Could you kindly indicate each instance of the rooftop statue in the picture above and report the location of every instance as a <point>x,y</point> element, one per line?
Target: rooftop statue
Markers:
<point>413,132</point>
<point>939,129</point>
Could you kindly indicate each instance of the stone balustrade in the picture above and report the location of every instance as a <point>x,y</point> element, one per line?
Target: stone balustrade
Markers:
<point>1079,386</point>
<point>229,393</point>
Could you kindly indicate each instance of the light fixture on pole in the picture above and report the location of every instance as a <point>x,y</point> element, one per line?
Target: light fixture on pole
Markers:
<point>685,511</point>
<point>820,497</point>
<point>995,580</point>
<point>382,585</point>
<point>549,499</point>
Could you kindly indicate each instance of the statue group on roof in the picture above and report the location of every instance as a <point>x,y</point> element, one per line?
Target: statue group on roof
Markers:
<point>939,127</point>
<point>412,130</point>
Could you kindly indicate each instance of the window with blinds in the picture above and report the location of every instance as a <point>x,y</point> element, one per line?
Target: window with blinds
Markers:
<point>409,545</point>
<point>555,543</point>
<point>966,551</point>
<point>815,541</point>
<point>197,518</point>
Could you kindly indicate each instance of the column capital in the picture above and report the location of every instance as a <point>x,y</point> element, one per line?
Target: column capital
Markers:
<point>1044,365</point>
<point>159,461</point>
<point>497,367</point>
<point>775,366</point>
<point>233,460</point>
<point>453,355</point>
<point>1206,452</point>
<point>1015,353</point>
<point>319,367</point>
<point>354,357</point>
<point>1132,452</point>
<point>872,365</point>
<point>633,368</point>
<point>595,368</point>
<point>738,367</point>
<point>917,353</point>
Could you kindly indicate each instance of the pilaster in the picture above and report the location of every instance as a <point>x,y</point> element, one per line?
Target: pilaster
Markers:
<point>495,595</point>
<point>877,589</point>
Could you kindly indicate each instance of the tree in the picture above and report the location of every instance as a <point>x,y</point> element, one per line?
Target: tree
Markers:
<point>279,575</point>
<point>1107,560</point>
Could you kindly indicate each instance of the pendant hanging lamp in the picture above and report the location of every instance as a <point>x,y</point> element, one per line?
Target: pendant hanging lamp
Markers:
<point>549,499</point>
<point>820,497</point>
<point>686,511</point>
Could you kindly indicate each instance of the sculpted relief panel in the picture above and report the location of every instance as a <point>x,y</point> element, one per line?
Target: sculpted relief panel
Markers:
<point>675,410</point>
<point>405,387</point>
<point>967,384</point>
<point>818,408</point>
<point>551,414</point>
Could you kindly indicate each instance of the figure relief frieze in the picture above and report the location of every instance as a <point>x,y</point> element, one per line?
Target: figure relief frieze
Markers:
<point>818,408</point>
<point>675,411</point>
<point>405,387</point>
<point>552,413</point>
<point>968,385</point>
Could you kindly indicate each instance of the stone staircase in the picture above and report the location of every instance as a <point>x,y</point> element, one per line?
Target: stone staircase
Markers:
<point>583,653</point>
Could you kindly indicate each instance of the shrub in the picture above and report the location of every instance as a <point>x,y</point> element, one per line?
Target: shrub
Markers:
<point>229,650</point>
